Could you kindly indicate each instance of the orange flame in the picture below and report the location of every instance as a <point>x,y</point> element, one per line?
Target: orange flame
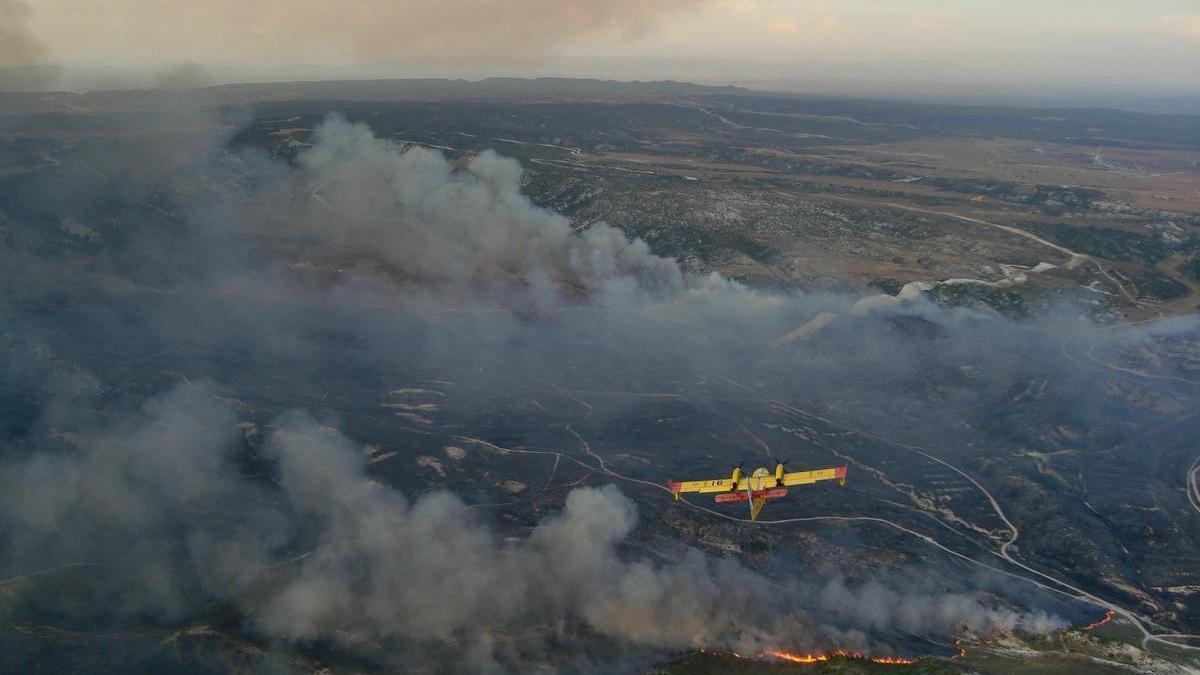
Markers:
<point>962,651</point>
<point>793,657</point>
<point>892,660</point>
<point>1108,616</point>
<point>799,658</point>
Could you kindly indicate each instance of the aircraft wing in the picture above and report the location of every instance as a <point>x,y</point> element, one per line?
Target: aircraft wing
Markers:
<point>806,477</point>
<point>719,485</point>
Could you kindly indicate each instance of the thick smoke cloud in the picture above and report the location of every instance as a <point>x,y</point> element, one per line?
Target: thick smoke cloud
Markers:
<point>168,523</point>
<point>435,224</point>
<point>176,508</point>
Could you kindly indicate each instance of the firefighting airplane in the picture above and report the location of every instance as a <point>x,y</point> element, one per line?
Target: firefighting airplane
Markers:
<point>758,487</point>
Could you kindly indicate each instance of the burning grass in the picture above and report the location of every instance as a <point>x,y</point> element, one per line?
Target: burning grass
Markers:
<point>794,657</point>
<point>1108,616</point>
<point>834,661</point>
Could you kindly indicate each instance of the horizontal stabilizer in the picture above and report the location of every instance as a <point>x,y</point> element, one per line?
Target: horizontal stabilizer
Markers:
<point>775,493</point>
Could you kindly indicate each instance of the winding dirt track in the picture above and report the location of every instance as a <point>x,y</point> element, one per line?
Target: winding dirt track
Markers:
<point>42,572</point>
<point>1074,258</point>
<point>1193,489</point>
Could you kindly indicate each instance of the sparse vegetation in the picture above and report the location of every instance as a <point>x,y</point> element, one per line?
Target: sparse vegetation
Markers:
<point>1159,287</point>
<point>1105,242</point>
<point>1192,268</point>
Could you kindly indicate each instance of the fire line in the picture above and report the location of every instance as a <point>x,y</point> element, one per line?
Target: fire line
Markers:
<point>1108,616</point>
<point>793,657</point>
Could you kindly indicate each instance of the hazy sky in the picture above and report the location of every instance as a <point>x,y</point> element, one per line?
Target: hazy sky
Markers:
<point>1085,41</point>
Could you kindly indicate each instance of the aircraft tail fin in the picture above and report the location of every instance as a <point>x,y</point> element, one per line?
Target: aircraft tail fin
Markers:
<point>756,506</point>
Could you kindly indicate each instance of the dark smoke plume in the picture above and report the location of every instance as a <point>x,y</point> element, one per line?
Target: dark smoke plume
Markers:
<point>364,262</point>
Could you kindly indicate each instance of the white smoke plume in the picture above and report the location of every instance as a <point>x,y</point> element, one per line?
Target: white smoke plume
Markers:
<point>464,228</point>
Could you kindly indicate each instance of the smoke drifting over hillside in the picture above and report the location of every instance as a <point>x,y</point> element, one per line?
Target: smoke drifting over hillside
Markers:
<point>433,223</point>
<point>161,512</point>
<point>338,257</point>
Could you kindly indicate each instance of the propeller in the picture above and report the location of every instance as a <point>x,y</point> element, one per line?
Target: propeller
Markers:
<point>777,470</point>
